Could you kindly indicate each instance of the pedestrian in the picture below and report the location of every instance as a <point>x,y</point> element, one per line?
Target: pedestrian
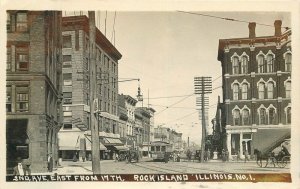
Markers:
<point>166,157</point>
<point>75,157</point>
<point>50,162</point>
<point>116,157</point>
<point>246,156</point>
<point>223,156</point>
<point>227,155</point>
<point>20,168</point>
<point>238,155</point>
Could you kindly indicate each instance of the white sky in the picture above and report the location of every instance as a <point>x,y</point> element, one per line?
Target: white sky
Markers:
<point>166,50</point>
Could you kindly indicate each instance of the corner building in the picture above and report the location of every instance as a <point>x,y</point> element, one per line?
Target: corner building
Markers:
<point>33,87</point>
<point>256,91</point>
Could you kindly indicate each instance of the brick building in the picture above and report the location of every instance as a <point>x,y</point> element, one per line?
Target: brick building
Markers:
<point>75,136</point>
<point>256,90</point>
<point>33,87</point>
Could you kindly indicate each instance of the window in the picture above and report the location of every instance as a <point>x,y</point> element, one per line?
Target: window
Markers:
<point>270,63</point>
<point>67,77</point>
<point>260,63</point>
<point>67,97</point>
<point>288,115</point>
<point>236,117</point>
<point>67,126</point>
<point>262,116</point>
<point>67,61</point>
<point>8,99</point>
<point>288,62</point>
<point>271,116</point>
<point>22,98</point>
<point>8,59</point>
<point>235,65</point>
<point>8,22</point>
<point>21,22</point>
<point>261,90</point>
<point>288,89</point>
<point>244,65</point>
<point>245,91</point>
<point>67,41</point>
<point>22,58</point>
<point>245,115</point>
<point>270,90</point>
<point>235,92</point>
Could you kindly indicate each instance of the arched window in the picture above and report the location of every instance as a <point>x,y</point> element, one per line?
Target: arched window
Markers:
<point>236,117</point>
<point>288,115</point>
<point>288,62</point>
<point>244,65</point>
<point>235,65</point>
<point>260,63</point>
<point>270,90</point>
<point>288,89</point>
<point>261,90</point>
<point>245,116</point>
<point>262,116</point>
<point>272,116</point>
<point>270,63</point>
<point>235,92</point>
<point>245,91</point>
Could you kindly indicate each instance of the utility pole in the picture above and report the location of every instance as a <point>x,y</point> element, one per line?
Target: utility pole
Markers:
<point>203,85</point>
<point>93,96</point>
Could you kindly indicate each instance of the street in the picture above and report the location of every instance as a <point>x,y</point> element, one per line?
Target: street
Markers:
<point>147,166</point>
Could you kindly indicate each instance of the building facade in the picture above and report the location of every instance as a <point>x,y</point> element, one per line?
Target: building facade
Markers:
<point>256,90</point>
<point>33,87</point>
<point>75,136</point>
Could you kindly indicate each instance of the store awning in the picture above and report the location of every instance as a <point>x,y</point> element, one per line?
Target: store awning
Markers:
<point>121,148</point>
<point>89,144</point>
<point>112,141</point>
<point>69,140</point>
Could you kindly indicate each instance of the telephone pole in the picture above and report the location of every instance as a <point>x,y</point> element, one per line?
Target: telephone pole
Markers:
<point>93,96</point>
<point>203,85</point>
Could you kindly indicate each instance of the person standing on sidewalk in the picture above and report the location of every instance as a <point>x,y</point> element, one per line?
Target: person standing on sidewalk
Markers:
<point>50,162</point>
<point>246,156</point>
<point>20,168</point>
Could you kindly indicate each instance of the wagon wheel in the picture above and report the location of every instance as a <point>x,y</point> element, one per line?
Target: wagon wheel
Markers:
<point>284,161</point>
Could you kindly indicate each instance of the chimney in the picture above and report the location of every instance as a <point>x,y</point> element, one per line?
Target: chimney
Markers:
<point>251,27</point>
<point>277,25</point>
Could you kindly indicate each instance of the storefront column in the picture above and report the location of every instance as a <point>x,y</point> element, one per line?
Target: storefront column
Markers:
<point>229,144</point>
<point>241,146</point>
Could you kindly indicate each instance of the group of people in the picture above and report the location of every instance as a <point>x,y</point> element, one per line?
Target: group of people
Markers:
<point>22,168</point>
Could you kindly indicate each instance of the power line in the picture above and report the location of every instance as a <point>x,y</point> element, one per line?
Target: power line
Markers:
<point>228,19</point>
<point>169,96</point>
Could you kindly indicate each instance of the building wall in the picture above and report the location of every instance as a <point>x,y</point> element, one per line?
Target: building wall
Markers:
<point>41,43</point>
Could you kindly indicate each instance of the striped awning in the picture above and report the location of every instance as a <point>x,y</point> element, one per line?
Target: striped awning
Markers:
<point>89,144</point>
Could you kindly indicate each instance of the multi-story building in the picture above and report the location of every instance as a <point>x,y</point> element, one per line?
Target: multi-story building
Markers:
<point>256,90</point>
<point>130,103</point>
<point>170,136</point>
<point>151,111</point>
<point>33,87</point>
<point>75,136</point>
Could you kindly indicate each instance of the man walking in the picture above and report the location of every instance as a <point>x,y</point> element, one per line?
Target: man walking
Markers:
<point>50,162</point>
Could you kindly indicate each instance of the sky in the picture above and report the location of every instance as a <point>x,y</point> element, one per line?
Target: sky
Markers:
<point>166,50</point>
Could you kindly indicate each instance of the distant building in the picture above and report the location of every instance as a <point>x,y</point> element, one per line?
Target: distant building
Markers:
<point>33,87</point>
<point>256,90</point>
<point>170,136</point>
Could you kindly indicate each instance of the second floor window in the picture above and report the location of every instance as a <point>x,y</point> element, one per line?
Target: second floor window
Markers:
<point>8,99</point>
<point>67,78</point>
<point>236,117</point>
<point>288,89</point>
<point>271,116</point>
<point>8,59</point>
<point>261,90</point>
<point>67,61</point>
<point>245,91</point>
<point>67,97</point>
<point>246,118</point>
<point>262,116</point>
<point>22,99</point>
<point>235,92</point>
<point>270,90</point>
